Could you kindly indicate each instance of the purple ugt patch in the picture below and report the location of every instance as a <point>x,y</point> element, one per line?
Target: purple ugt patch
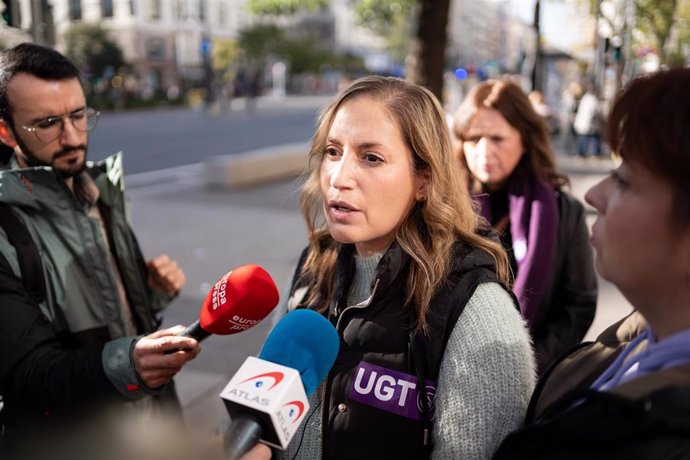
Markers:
<point>389,390</point>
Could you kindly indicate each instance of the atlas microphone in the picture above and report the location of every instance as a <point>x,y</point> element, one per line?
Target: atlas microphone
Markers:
<point>238,301</point>
<point>267,397</point>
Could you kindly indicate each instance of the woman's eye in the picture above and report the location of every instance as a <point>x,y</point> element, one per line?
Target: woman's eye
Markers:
<point>496,138</point>
<point>372,158</point>
<point>473,139</point>
<point>331,152</point>
<point>618,179</point>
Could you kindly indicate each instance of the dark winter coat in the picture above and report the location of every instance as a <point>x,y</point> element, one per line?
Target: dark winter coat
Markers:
<point>647,418</point>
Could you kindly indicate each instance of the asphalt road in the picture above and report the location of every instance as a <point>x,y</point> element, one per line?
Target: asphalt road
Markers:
<point>169,137</point>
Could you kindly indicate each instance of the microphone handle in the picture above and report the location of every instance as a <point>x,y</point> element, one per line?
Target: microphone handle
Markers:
<point>243,434</point>
<point>195,331</point>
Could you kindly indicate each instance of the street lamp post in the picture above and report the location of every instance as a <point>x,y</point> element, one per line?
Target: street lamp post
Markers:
<point>37,26</point>
<point>628,66</point>
<point>615,23</point>
<point>537,70</point>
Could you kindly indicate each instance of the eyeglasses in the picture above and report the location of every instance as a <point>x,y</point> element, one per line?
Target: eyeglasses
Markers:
<point>49,129</point>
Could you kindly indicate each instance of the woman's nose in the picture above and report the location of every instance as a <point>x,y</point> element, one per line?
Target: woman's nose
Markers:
<point>595,196</point>
<point>342,172</point>
<point>483,147</point>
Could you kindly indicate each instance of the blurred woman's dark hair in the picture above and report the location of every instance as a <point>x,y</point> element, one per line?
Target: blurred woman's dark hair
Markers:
<point>649,125</point>
<point>512,103</point>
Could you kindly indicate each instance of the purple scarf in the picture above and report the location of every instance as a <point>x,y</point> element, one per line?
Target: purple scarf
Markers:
<point>533,229</point>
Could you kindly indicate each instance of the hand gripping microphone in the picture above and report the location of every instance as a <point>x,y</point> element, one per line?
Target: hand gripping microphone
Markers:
<point>267,397</point>
<point>238,301</point>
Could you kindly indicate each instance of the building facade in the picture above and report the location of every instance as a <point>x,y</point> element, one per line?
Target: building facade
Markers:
<point>165,42</point>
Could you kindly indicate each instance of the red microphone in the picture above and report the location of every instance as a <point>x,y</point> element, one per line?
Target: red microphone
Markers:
<point>238,301</point>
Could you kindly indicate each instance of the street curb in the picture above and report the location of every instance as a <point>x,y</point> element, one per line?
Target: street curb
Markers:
<point>573,165</point>
<point>268,164</point>
<point>256,166</point>
<point>163,176</point>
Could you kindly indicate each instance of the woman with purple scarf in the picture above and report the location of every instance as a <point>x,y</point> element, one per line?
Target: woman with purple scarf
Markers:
<point>504,147</point>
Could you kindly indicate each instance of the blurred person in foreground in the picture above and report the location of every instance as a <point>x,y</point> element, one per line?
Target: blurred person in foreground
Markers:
<point>91,340</point>
<point>504,148</point>
<point>434,361</point>
<point>118,435</point>
<point>627,395</point>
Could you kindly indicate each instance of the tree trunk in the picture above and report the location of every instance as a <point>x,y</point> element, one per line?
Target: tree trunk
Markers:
<point>426,61</point>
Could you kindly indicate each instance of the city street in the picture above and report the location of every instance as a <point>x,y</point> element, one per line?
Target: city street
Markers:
<point>175,136</point>
<point>209,231</point>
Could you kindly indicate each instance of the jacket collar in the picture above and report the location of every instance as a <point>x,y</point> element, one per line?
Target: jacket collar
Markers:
<point>388,271</point>
<point>38,187</point>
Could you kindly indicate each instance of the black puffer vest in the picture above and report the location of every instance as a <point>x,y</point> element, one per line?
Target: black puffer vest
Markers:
<point>373,405</point>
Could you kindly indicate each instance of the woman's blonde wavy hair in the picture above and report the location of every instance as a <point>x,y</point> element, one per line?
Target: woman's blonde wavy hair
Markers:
<point>434,224</point>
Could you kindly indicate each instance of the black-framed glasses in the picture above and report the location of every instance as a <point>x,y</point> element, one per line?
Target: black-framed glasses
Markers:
<point>49,129</point>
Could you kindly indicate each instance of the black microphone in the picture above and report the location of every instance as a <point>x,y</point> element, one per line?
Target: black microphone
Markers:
<point>267,397</point>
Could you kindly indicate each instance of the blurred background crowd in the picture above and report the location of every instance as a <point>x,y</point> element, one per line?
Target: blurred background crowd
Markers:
<point>222,54</point>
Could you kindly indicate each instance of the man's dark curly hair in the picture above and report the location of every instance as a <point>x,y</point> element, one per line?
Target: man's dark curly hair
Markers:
<point>39,61</point>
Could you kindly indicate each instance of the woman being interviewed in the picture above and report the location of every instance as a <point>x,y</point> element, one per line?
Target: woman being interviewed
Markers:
<point>504,147</point>
<point>396,261</point>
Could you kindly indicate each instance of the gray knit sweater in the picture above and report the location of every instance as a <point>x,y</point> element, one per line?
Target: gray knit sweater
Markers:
<point>486,378</point>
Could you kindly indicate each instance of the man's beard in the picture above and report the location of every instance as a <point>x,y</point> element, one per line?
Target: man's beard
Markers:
<point>74,168</point>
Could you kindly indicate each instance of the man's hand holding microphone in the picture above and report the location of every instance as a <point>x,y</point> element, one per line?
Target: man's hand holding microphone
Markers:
<point>238,301</point>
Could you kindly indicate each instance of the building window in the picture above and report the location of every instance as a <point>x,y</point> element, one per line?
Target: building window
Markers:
<point>154,9</point>
<point>155,48</point>
<point>75,10</point>
<point>222,20</point>
<point>106,8</point>
<point>202,10</point>
<point>180,10</point>
<point>12,14</point>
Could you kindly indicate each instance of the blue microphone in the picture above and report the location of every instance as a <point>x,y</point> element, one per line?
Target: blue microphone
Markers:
<point>305,341</point>
<point>267,397</point>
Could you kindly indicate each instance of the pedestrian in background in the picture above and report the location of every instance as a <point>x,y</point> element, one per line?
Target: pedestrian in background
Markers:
<point>397,262</point>
<point>570,101</point>
<point>504,148</point>
<point>540,106</point>
<point>631,396</point>
<point>78,304</point>
<point>589,122</point>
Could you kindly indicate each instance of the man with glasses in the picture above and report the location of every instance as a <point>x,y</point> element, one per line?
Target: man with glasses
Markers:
<point>91,339</point>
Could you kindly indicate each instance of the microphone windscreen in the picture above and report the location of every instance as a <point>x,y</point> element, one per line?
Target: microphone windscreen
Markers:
<point>305,341</point>
<point>239,300</point>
